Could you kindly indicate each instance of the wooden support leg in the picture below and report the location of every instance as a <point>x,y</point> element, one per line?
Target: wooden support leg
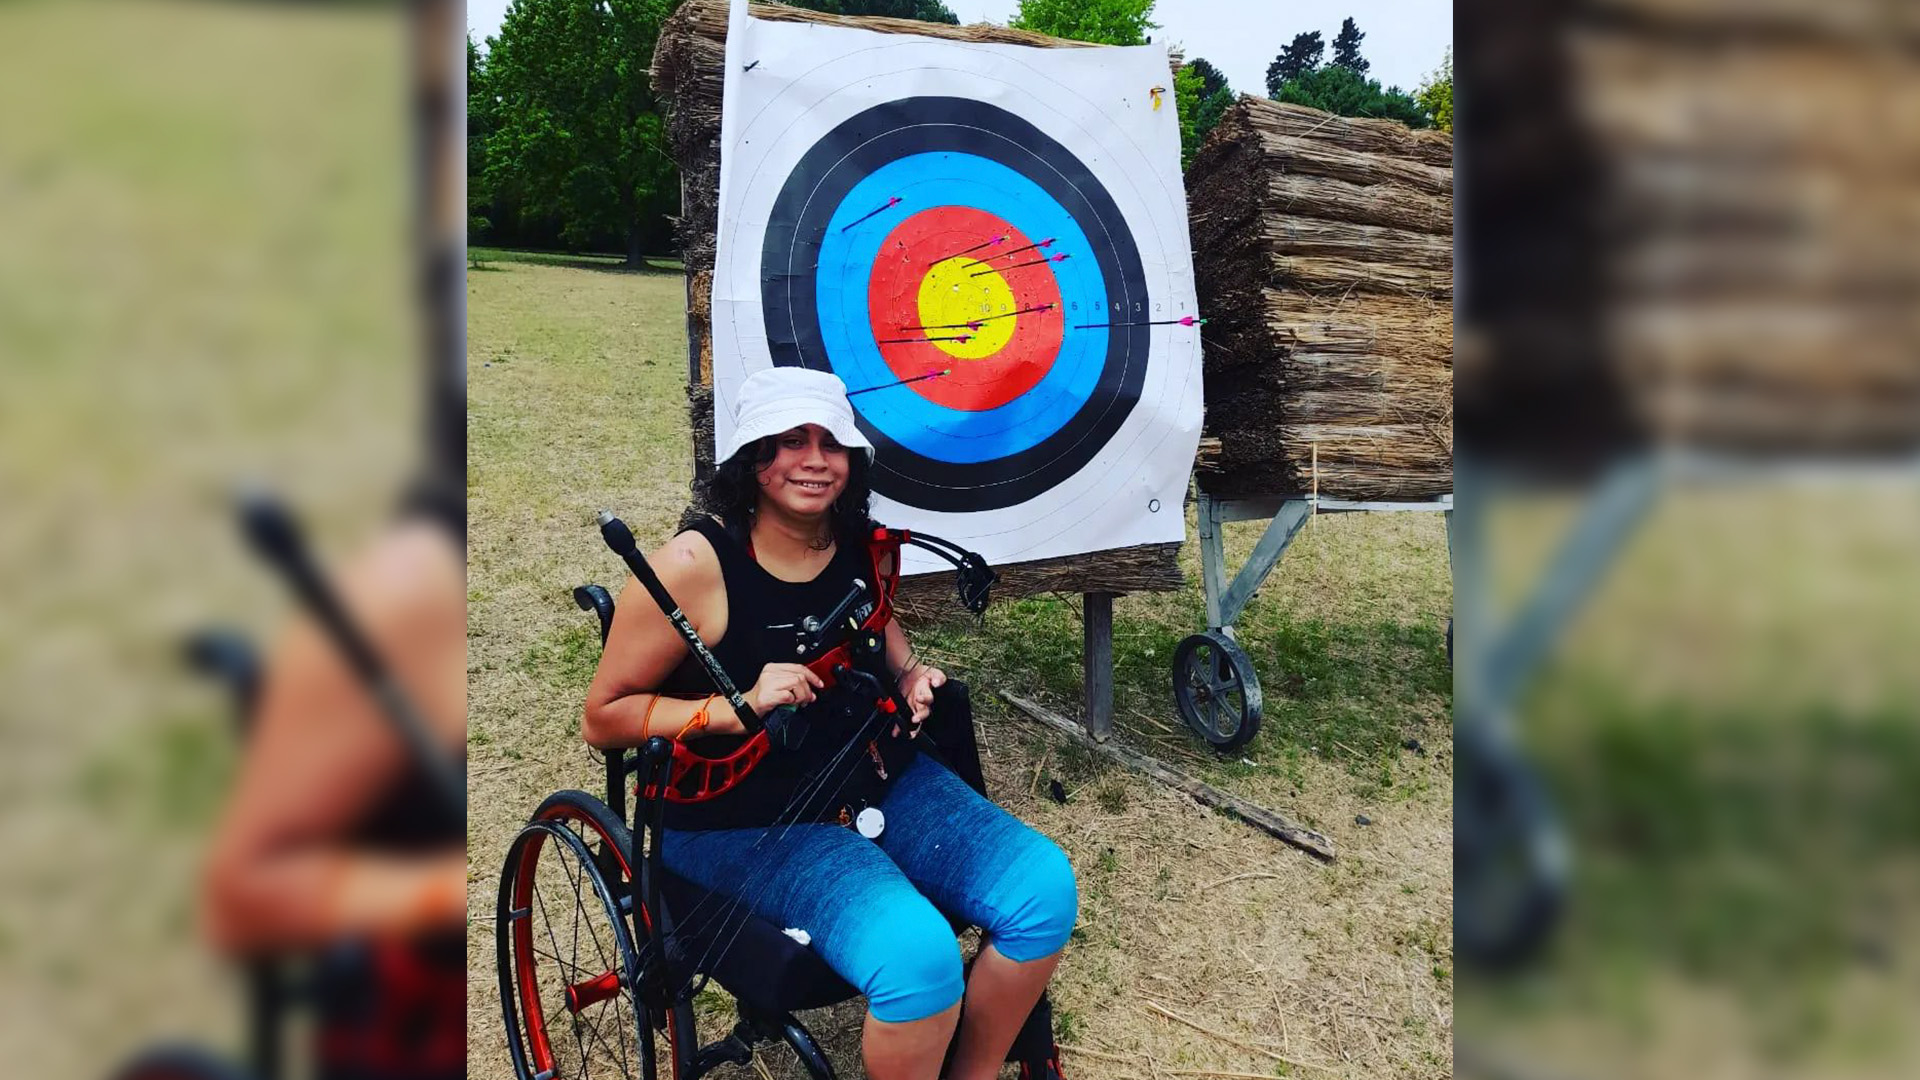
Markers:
<point>1097,663</point>
<point>1213,560</point>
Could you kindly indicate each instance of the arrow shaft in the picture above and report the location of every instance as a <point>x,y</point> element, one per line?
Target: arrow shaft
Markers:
<point>1157,322</point>
<point>902,382</point>
<point>863,217</point>
<point>982,319</point>
<point>1014,251</point>
<point>1015,266</point>
<point>971,250</point>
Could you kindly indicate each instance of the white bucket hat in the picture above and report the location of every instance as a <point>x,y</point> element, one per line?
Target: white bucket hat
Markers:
<point>783,398</point>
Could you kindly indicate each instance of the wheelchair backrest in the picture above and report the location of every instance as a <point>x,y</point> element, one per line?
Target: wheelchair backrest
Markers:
<point>596,599</point>
<point>620,764</point>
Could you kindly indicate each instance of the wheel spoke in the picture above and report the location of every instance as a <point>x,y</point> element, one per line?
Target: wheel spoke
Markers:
<point>582,1043</point>
<point>576,868</point>
<point>626,1065</point>
<point>572,969</point>
<point>1213,715</point>
<point>539,896</point>
<point>600,1039</point>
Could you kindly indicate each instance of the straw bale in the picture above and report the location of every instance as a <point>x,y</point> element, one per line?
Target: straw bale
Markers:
<point>1373,137</point>
<point>1731,215</point>
<point>1231,176</point>
<point>1325,270</point>
<point>689,75</point>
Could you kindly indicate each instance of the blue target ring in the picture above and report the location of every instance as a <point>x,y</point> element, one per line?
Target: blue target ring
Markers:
<point>852,244</point>
<point>824,233</point>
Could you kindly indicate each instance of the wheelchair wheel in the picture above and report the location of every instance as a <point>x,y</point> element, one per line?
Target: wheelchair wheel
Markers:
<point>568,957</point>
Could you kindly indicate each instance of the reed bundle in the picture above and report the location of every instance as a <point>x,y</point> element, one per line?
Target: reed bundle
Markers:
<point>1323,256</point>
<point>1726,260</point>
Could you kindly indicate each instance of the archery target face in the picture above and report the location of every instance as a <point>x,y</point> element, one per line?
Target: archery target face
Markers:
<point>988,245</point>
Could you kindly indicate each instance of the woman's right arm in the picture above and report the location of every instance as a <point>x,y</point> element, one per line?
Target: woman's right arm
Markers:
<point>643,648</point>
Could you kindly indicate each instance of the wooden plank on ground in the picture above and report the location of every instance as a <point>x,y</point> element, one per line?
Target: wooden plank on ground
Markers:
<point>1259,817</point>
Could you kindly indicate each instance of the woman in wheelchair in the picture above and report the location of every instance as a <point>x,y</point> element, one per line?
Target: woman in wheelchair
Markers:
<point>865,845</point>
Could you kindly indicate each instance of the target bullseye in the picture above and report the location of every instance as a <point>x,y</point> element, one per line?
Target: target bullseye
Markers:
<point>952,298</point>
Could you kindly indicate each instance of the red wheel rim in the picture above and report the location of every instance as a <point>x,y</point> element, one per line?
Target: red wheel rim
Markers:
<point>586,988</point>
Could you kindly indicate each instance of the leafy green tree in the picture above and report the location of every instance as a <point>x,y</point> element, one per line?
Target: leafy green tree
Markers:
<point>923,10</point>
<point>1106,22</point>
<point>578,136</point>
<point>1340,91</point>
<point>1212,80</point>
<point>1346,48</point>
<point>1436,94</point>
<point>1188,88</point>
<point>1299,57</point>
<point>1203,95</point>
<point>480,124</point>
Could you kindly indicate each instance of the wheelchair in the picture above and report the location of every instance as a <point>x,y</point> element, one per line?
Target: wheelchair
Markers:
<point>604,986</point>
<point>373,1010</point>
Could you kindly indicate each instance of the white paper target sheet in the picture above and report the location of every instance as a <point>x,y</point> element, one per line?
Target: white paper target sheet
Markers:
<point>988,245</point>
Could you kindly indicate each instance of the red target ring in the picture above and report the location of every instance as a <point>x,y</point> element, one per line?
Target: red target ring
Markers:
<point>926,283</point>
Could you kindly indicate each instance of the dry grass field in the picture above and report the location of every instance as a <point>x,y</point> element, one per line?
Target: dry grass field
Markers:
<point>203,282</point>
<point>1272,963</point>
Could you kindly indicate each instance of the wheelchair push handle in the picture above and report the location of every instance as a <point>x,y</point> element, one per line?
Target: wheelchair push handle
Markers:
<point>620,540</point>
<point>274,534</point>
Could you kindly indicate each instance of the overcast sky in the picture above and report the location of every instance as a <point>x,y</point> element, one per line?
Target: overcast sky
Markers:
<point>1404,38</point>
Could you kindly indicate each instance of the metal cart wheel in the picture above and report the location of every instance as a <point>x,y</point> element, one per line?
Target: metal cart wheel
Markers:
<point>1216,690</point>
<point>1510,859</point>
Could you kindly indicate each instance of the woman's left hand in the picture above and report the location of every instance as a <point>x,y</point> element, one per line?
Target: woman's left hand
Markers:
<point>916,687</point>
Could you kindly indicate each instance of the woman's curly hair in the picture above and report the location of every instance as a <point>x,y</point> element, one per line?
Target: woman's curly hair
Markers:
<point>733,490</point>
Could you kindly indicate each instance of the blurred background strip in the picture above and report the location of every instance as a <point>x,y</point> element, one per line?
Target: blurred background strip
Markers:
<point>224,260</point>
<point>1689,536</point>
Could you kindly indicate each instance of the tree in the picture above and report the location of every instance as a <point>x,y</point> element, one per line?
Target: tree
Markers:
<point>1188,88</point>
<point>1346,48</point>
<point>924,10</point>
<point>480,124</point>
<point>1203,96</point>
<point>1212,80</point>
<point>1105,22</point>
<point>578,136</point>
<point>1338,90</point>
<point>1436,94</point>
<point>1298,58</point>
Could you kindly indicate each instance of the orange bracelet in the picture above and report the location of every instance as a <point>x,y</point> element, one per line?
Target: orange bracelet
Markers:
<point>434,905</point>
<point>698,722</point>
<point>646,719</point>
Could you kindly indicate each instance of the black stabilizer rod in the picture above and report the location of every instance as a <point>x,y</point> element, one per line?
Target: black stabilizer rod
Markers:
<point>276,537</point>
<point>620,539</point>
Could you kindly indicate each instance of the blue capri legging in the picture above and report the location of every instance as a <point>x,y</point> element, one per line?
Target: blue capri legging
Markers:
<point>873,908</point>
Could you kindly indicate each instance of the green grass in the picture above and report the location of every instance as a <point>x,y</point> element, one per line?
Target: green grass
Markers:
<point>1345,684</point>
<point>1729,733</point>
<point>483,259</point>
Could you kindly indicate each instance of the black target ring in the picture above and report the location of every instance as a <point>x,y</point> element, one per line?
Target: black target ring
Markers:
<point>820,182</point>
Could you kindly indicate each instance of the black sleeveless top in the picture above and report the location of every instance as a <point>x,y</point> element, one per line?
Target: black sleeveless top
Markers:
<point>762,614</point>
